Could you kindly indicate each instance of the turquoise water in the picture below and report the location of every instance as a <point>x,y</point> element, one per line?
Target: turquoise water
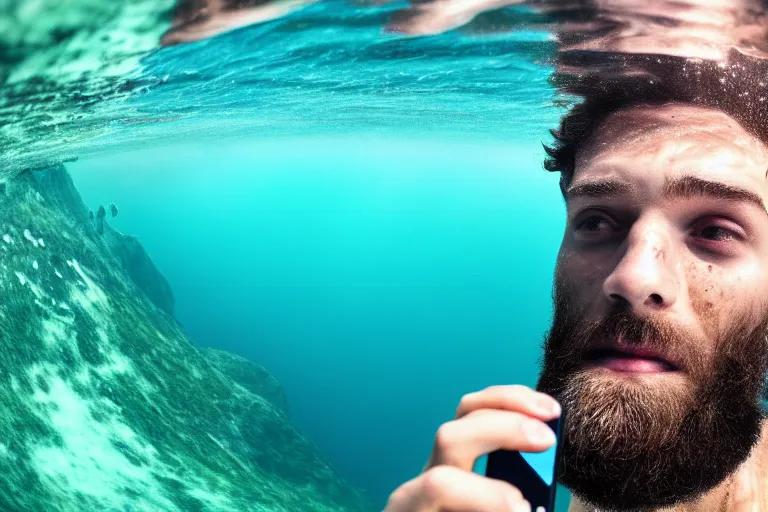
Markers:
<point>354,225</point>
<point>364,214</point>
<point>330,68</point>
<point>379,280</point>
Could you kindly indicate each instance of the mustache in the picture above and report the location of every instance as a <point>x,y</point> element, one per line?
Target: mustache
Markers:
<point>644,439</point>
<point>572,339</point>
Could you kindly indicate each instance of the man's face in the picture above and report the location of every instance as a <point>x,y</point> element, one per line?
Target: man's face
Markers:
<point>657,348</point>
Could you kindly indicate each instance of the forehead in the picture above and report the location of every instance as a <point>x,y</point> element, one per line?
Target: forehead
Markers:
<point>644,146</point>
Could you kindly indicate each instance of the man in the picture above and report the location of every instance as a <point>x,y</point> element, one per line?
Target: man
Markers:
<point>658,344</point>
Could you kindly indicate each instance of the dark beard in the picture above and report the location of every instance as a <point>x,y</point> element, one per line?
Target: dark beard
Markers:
<point>633,446</point>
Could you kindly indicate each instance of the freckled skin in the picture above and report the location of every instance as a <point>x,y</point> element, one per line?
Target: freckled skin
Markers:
<point>648,245</point>
<point>645,146</point>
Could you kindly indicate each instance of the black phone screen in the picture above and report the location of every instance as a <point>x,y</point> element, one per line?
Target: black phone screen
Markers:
<point>535,474</point>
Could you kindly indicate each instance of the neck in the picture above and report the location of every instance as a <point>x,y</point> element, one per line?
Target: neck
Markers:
<point>744,491</point>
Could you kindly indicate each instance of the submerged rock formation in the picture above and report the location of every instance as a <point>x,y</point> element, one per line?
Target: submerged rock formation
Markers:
<point>56,187</point>
<point>105,405</point>
<point>253,377</point>
<point>140,268</point>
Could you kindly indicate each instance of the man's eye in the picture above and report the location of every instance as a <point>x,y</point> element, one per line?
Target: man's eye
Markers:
<point>718,234</point>
<point>593,224</point>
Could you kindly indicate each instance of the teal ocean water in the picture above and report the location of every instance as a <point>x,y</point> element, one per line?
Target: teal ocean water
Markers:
<point>256,269</point>
<point>378,279</point>
<point>363,214</point>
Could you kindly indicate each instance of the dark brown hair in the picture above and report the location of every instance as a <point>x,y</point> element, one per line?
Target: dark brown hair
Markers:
<point>739,89</point>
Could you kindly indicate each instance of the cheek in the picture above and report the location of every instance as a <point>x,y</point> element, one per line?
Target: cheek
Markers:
<point>718,297</point>
<point>705,289</point>
<point>579,281</point>
<point>705,298</point>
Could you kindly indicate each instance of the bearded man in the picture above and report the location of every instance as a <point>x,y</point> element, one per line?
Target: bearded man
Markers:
<point>658,343</point>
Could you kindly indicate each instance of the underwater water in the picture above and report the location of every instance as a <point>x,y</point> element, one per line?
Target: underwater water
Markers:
<point>377,280</point>
<point>362,215</point>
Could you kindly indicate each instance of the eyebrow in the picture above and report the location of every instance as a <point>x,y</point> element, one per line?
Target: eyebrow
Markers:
<point>683,187</point>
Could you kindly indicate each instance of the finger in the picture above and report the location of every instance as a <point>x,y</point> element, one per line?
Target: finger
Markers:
<point>511,398</point>
<point>449,489</point>
<point>459,443</point>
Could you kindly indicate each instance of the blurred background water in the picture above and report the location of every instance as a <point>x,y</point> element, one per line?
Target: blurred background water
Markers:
<point>364,214</point>
<point>378,279</point>
<point>361,211</point>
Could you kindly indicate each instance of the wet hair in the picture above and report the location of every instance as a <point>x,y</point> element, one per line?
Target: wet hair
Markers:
<point>739,89</point>
<point>580,124</point>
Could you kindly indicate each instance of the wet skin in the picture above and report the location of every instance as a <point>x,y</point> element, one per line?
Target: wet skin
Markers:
<point>665,216</point>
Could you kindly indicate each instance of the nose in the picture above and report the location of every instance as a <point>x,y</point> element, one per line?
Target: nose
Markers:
<point>644,279</point>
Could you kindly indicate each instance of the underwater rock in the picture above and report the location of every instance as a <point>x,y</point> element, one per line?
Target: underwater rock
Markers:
<point>106,405</point>
<point>113,210</point>
<point>55,185</point>
<point>141,269</point>
<point>253,377</point>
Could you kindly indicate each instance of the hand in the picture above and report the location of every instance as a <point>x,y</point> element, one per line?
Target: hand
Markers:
<point>499,417</point>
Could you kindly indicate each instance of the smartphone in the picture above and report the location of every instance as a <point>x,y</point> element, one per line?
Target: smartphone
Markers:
<point>535,474</point>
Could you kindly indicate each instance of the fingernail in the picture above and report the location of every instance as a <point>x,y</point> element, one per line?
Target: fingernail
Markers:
<point>548,405</point>
<point>539,433</point>
<point>521,506</point>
